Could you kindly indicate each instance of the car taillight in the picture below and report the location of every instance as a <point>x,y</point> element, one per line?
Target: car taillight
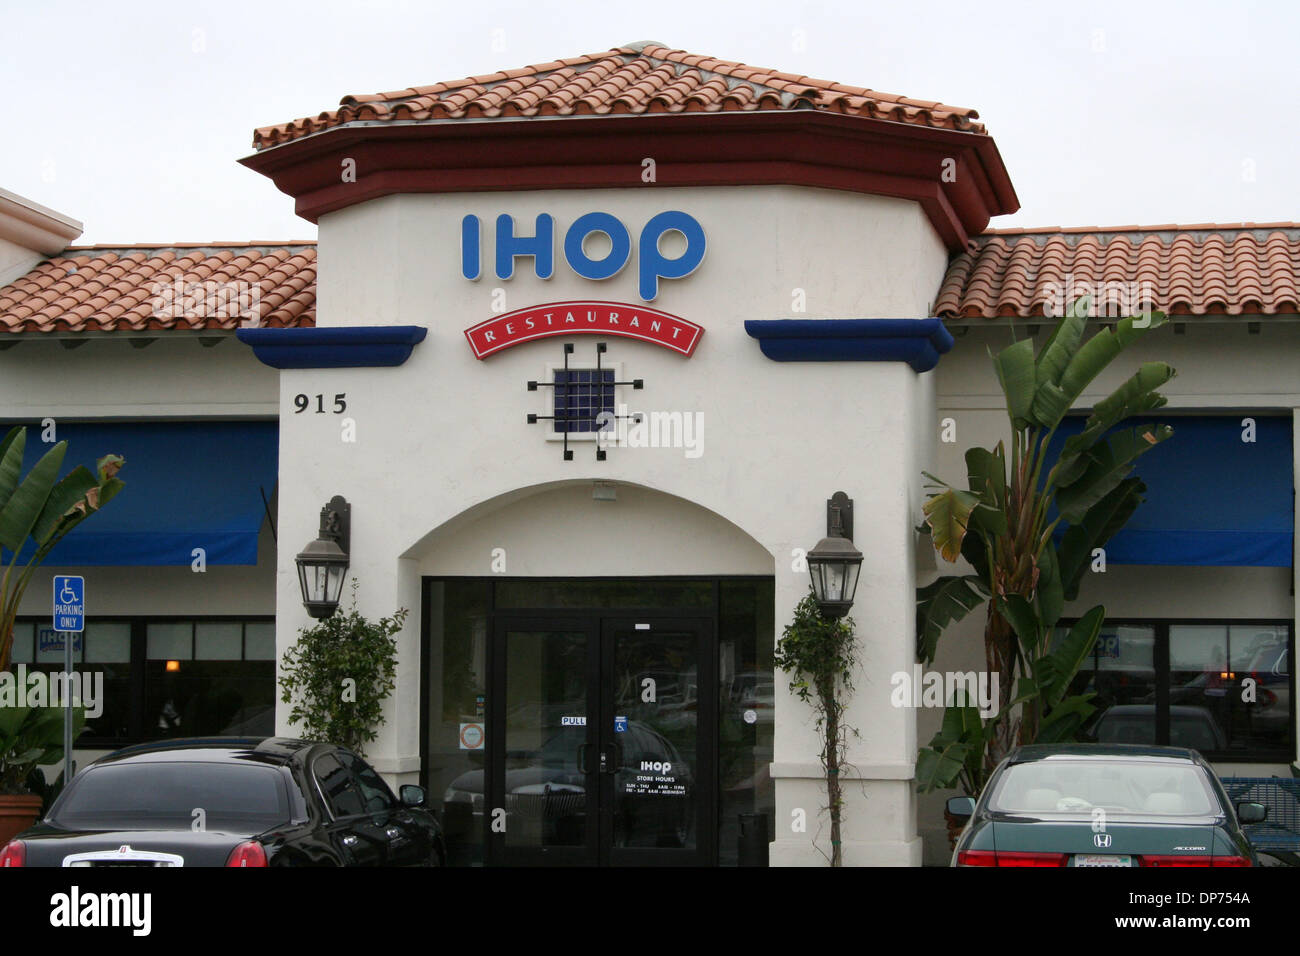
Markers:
<point>14,854</point>
<point>247,854</point>
<point>1197,860</point>
<point>995,858</point>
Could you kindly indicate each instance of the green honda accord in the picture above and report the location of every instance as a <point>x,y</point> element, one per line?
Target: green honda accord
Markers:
<point>1103,805</point>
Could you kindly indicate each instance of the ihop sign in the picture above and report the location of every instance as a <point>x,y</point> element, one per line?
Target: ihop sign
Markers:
<point>652,263</point>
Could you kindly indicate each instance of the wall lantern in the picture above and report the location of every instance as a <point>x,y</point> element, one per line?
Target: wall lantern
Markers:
<point>834,564</point>
<point>323,564</point>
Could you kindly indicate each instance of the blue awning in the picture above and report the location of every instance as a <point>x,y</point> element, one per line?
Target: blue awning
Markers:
<point>1212,499</point>
<point>192,484</point>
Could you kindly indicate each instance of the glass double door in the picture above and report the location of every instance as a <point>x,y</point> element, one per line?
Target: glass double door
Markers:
<point>601,741</point>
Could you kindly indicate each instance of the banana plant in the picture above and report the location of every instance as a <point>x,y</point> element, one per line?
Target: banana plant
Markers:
<point>44,508</point>
<point>1004,521</point>
<point>30,737</point>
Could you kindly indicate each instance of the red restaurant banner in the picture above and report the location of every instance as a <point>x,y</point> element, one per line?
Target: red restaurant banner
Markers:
<point>584,318</point>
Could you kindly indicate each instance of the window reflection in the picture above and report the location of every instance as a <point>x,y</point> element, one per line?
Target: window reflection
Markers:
<point>1228,688</point>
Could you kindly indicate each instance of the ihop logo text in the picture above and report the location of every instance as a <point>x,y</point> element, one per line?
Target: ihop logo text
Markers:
<point>652,264</point>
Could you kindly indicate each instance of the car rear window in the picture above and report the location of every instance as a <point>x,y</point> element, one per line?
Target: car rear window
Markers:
<point>245,798</point>
<point>1121,786</point>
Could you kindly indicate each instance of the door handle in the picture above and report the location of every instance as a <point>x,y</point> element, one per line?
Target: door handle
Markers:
<point>609,758</point>
<point>582,758</point>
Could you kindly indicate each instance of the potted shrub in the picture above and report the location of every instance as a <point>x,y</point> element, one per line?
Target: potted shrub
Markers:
<point>29,738</point>
<point>338,675</point>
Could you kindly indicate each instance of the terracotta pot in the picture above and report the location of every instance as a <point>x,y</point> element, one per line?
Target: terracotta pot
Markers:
<point>955,827</point>
<point>17,813</point>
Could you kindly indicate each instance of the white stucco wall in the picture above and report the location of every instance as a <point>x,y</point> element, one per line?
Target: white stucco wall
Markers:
<point>445,433</point>
<point>107,378</point>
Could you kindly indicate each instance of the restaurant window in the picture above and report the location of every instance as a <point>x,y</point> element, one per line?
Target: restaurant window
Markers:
<point>165,677</point>
<point>581,395</point>
<point>1223,688</point>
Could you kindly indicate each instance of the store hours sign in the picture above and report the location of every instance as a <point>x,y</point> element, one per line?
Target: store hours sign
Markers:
<point>585,316</point>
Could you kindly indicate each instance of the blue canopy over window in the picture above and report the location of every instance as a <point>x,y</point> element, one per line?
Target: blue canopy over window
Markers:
<point>192,484</point>
<point>1212,499</point>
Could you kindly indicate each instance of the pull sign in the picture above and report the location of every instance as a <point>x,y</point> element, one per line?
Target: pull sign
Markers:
<point>652,264</point>
<point>643,627</point>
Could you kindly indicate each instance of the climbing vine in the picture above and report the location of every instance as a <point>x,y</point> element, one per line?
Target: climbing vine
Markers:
<point>819,654</point>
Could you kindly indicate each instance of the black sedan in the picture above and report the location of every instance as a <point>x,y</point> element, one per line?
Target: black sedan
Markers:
<point>231,802</point>
<point>1080,805</point>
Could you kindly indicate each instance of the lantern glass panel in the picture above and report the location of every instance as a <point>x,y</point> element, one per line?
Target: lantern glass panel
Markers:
<point>851,571</point>
<point>335,574</point>
<point>834,578</point>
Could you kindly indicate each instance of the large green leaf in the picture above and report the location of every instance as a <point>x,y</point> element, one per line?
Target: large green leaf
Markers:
<point>1100,350</point>
<point>1098,526</point>
<point>939,604</point>
<point>986,475</point>
<point>70,490</point>
<point>1019,613</point>
<point>1137,396</point>
<point>961,722</point>
<point>1063,723</point>
<point>109,490</point>
<point>1054,672</point>
<point>1109,463</point>
<point>25,504</point>
<point>977,555</point>
<point>1049,595</point>
<point>1064,342</point>
<point>948,514</point>
<point>11,461</point>
<point>1119,404</point>
<point>939,769</point>
<point>958,745</point>
<point>11,718</point>
<point>1015,369</point>
<point>1049,405</point>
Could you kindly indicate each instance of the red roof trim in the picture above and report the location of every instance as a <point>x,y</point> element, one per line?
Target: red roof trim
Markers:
<point>798,148</point>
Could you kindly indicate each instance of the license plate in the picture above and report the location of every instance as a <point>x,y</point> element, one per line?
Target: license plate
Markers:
<point>1101,859</point>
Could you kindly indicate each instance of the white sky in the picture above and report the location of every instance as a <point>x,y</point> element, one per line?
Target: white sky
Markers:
<point>130,116</point>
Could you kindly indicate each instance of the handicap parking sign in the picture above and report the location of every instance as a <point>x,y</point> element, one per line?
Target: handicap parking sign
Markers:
<point>69,603</point>
<point>620,725</point>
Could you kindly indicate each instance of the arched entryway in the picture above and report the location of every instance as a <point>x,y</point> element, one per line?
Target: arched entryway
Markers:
<point>597,678</point>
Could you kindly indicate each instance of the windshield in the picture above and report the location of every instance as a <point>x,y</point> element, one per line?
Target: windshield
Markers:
<point>1120,786</point>
<point>241,798</point>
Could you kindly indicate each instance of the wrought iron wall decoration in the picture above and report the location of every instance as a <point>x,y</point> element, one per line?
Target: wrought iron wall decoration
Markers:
<point>583,401</point>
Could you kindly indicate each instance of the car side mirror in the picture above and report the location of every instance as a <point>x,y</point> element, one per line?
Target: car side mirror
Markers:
<point>1252,812</point>
<point>961,808</point>
<point>413,796</point>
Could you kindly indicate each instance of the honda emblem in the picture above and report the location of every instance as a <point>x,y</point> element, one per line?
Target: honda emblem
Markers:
<point>1102,840</point>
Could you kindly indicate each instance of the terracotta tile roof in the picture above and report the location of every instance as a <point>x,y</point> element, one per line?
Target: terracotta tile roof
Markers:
<point>1191,270</point>
<point>184,286</point>
<point>634,79</point>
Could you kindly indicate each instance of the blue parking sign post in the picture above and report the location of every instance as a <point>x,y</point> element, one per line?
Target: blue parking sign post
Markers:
<point>69,619</point>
